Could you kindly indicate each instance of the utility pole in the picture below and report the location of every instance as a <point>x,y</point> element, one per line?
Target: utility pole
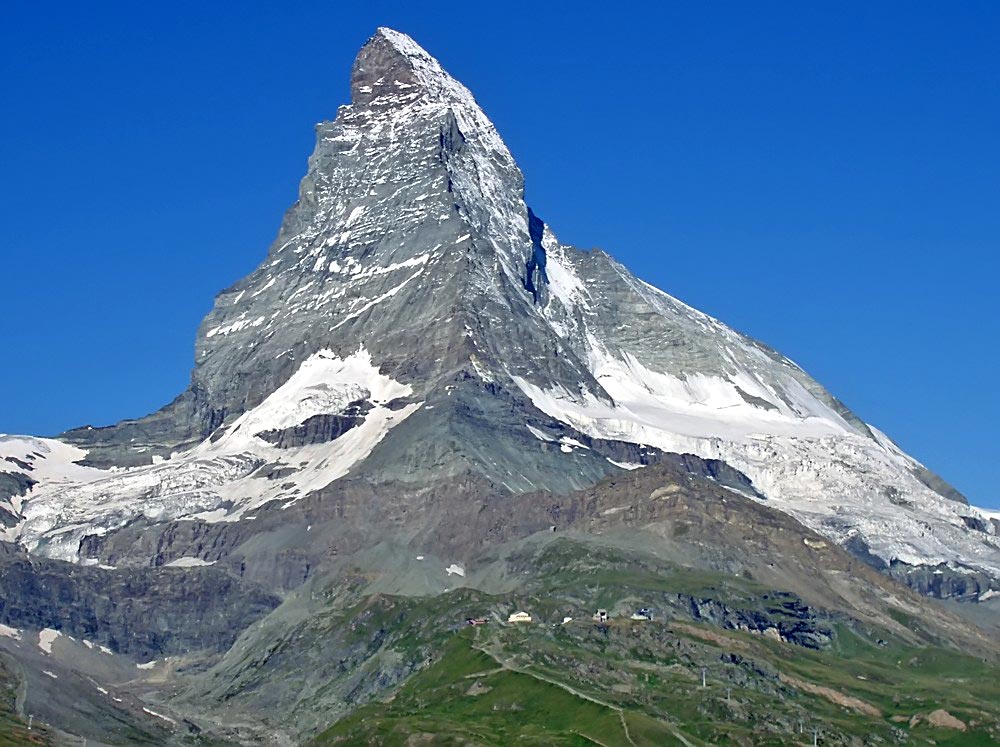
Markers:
<point>703,677</point>
<point>729,695</point>
<point>30,719</point>
<point>815,737</point>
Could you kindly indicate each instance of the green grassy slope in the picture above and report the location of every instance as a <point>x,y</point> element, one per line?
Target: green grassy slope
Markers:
<point>583,683</point>
<point>467,697</point>
<point>536,685</point>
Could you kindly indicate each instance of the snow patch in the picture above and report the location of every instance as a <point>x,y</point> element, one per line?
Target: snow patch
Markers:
<point>188,562</point>
<point>353,217</point>
<point>159,715</point>
<point>626,465</point>
<point>239,324</point>
<point>540,435</point>
<point>46,638</point>
<point>564,283</point>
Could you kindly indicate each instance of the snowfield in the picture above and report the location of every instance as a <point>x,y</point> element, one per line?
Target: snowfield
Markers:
<point>752,409</point>
<point>213,481</point>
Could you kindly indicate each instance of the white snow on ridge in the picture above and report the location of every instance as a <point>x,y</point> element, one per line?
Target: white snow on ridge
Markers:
<point>236,326</point>
<point>417,261</point>
<point>214,480</point>
<point>890,446</point>
<point>815,468</point>
<point>759,417</point>
<point>370,303</point>
<point>564,283</point>
<point>323,384</point>
<point>704,406</point>
<point>50,463</point>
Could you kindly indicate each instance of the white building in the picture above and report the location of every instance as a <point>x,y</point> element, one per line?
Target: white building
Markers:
<point>519,617</point>
<point>643,614</point>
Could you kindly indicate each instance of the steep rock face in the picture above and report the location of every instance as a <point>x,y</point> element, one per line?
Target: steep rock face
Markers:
<point>785,618</point>
<point>145,613</point>
<point>415,325</point>
<point>945,581</point>
<point>13,487</point>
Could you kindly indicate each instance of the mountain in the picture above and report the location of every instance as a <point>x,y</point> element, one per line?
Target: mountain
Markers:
<point>421,394</point>
<point>414,321</point>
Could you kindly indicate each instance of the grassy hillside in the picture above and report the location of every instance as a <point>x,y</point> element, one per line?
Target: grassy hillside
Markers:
<point>775,671</point>
<point>587,684</point>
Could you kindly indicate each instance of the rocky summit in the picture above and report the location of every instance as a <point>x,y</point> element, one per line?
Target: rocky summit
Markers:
<point>423,408</point>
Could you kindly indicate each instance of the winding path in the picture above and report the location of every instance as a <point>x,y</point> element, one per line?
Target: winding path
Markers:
<point>507,665</point>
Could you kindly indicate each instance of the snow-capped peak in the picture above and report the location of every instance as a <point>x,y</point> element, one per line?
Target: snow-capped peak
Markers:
<point>411,279</point>
<point>391,68</point>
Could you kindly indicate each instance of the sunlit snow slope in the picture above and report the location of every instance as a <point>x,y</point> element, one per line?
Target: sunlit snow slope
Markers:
<point>679,380</point>
<point>221,479</point>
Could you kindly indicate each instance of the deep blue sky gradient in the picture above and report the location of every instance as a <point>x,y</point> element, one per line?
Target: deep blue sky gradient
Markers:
<point>824,179</point>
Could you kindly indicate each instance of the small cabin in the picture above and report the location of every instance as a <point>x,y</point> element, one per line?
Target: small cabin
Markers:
<point>476,621</point>
<point>519,617</point>
<point>601,616</point>
<point>643,613</point>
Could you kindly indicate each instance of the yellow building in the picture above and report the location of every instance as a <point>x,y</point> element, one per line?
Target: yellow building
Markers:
<point>519,617</point>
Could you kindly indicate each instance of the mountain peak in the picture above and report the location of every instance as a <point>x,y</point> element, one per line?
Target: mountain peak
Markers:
<point>402,42</point>
<point>516,359</point>
<point>392,68</point>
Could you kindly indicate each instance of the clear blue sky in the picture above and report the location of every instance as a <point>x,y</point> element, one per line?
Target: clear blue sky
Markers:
<point>826,180</point>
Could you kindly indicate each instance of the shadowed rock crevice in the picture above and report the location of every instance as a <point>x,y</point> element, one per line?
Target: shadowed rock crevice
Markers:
<point>319,428</point>
<point>535,278</point>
